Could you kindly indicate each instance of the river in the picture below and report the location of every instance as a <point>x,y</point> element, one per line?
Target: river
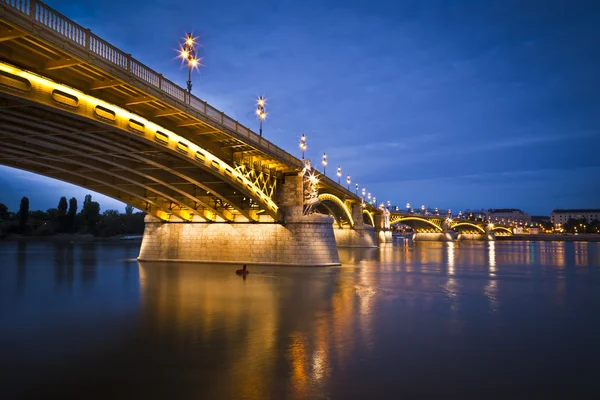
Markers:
<point>425,320</point>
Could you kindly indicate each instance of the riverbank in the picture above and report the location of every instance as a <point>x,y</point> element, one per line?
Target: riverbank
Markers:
<point>590,237</point>
<point>75,237</point>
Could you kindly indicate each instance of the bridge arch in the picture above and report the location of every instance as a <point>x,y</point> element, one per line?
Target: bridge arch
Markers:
<point>110,147</point>
<point>502,230</point>
<point>333,203</point>
<point>370,217</point>
<point>417,223</point>
<point>460,226</point>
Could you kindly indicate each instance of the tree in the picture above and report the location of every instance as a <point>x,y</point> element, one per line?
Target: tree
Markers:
<point>128,210</point>
<point>90,214</point>
<point>61,215</point>
<point>3,212</point>
<point>70,225</point>
<point>23,214</point>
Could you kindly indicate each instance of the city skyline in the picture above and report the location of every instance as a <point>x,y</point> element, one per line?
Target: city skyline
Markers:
<point>449,106</point>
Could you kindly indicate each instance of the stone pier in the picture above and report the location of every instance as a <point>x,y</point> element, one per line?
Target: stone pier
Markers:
<point>361,235</point>
<point>434,237</point>
<point>487,237</point>
<point>299,241</point>
<point>383,233</point>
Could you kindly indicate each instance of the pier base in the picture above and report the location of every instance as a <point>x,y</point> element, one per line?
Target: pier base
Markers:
<point>309,241</point>
<point>360,236</point>
<point>434,237</point>
<point>487,237</point>
<point>384,236</point>
<point>301,240</point>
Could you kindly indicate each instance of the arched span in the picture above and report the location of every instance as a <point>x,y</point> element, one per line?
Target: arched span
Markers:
<point>370,215</point>
<point>502,229</point>
<point>179,201</point>
<point>330,198</point>
<point>424,221</point>
<point>466,226</point>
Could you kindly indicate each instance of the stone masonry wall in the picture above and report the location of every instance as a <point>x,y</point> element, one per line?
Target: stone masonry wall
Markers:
<point>299,240</point>
<point>307,243</point>
<point>363,236</point>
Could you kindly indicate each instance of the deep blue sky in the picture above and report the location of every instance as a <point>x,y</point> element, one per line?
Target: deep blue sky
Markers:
<point>460,104</point>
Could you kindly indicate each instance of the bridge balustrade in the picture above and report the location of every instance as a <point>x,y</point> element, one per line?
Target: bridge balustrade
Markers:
<point>83,37</point>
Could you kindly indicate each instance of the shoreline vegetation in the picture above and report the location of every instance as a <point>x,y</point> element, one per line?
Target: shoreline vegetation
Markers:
<point>73,238</point>
<point>65,222</point>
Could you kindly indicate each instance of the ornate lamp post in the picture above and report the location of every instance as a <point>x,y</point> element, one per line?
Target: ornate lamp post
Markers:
<point>348,181</point>
<point>324,163</point>
<point>374,200</point>
<point>187,52</point>
<point>408,207</point>
<point>357,189</point>
<point>260,111</point>
<point>364,191</point>
<point>339,174</point>
<point>369,197</point>
<point>423,209</point>
<point>303,144</point>
<point>389,204</point>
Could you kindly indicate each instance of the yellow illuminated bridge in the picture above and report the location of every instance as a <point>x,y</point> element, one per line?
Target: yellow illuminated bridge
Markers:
<point>77,109</point>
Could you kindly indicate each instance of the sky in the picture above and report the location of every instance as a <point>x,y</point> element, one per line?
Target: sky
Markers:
<point>450,104</point>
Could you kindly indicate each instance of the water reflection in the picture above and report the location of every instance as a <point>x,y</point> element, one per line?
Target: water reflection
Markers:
<point>492,258</point>
<point>371,328</point>
<point>64,263</point>
<point>21,264</point>
<point>88,261</point>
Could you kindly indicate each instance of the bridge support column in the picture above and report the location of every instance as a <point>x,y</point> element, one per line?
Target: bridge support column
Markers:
<point>489,236</point>
<point>384,235</point>
<point>361,235</point>
<point>434,237</point>
<point>299,240</point>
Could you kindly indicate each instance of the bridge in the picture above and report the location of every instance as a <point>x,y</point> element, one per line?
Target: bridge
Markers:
<point>436,227</point>
<point>77,109</point>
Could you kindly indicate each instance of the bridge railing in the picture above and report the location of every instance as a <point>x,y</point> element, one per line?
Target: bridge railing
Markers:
<point>83,37</point>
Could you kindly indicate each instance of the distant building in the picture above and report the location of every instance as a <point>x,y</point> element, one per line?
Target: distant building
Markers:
<point>508,215</point>
<point>559,217</point>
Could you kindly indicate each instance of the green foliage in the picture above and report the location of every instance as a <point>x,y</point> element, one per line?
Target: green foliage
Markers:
<point>580,225</point>
<point>71,214</point>
<point>23,214</point>
<point>90,215</point>
<point>3,212</point>
<point>64,219</point>
<point>60,219</point>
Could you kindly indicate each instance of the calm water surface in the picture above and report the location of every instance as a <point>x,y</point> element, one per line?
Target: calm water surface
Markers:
<point>480,320</point>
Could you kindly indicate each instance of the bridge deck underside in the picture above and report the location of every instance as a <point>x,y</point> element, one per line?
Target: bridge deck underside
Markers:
<point>330,208</point>
<point>115,163</point>
<point>61,50</point>
<point>46,54</point>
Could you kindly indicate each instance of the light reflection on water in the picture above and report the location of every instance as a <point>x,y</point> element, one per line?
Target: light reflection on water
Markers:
<point>77,318</point>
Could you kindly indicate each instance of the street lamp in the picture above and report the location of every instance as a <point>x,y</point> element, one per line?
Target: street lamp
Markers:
<point>339,174</point>
<point>374,200</point>
<point>348,181</point>
<point>187,52</point>
<point>303,144</point>
<point>369,196</point>
<point>364,191</point>
<point>389,204</point>
<point>357,190</point>
<point>423,208</point>
<point>324,163</point>
<point>260,111</point>
<point>408,207</point>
